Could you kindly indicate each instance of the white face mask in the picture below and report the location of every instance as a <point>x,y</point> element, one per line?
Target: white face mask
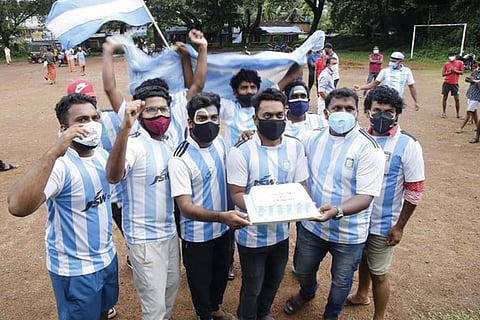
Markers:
<point>375,51</point>
<point>94,129</point>
<point>451,58</point>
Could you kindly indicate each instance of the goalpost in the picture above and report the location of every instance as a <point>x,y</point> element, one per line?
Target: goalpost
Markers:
<point>439,25</point>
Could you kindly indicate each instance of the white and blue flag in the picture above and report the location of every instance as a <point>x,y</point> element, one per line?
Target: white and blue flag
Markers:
<point>73,21</point>
<point>271,66</point>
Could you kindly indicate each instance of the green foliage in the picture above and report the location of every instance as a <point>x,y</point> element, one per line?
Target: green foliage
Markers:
<point>14,13</point>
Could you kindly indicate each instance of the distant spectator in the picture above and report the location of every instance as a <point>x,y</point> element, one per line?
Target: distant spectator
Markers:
<point>51,75</point>
<point>452,69</point>
<point>332,54</point>
<point>81,60</point>
<point>374,67</point>
<point>7,55</point>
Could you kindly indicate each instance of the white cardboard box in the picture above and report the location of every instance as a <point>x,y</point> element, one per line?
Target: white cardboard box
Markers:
<point>279,203</point>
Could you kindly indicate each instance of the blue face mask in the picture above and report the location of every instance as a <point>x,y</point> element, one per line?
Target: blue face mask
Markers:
<point>393,65</point>
<point>298,107</point>
<point>341,122</point>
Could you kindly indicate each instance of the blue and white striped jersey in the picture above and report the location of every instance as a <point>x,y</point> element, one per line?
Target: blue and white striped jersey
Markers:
<point>200,172</point>
<point>78,233</point>
<point>404,163</point>
<point>340,168</point>
<point>396,79</point>
<point>235,120</point>
<point>147,201</point>
<point>311,122</point>
<point>250,164</point>
<point>110,127</point>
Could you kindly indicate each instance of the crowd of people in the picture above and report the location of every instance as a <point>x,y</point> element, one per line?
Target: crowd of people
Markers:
<point>174,183</point>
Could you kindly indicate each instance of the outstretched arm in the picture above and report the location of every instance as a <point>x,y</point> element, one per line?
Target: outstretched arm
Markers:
<point>108,75</point>
<point>27,195</point>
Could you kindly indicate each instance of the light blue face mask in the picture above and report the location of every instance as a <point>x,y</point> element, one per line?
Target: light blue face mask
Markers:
<point>341,122</point>
<point>393,65</point>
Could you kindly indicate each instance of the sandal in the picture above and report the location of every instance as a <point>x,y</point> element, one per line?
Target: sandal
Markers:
<point>294,304</point>
<point>474,140</point>
<point>7,166</point>
<point>459,130</point>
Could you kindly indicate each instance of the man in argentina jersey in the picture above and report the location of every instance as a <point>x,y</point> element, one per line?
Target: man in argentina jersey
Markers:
<point>268,158</point>
<point>401,192</point>
<point>140,162</point>
<point>237,114</point>
<point>395,76</point>
<point>70,177</point>
<point>346,168</point>
<point>299,119</point>
<point>198,183</point>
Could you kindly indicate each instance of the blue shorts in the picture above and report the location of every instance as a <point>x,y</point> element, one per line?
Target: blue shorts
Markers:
<point>86,297</point>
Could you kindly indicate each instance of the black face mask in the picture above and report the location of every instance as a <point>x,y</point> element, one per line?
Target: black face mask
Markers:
<point>206,132</point>
<point>271,129</point>
<point>382,122</point>
<point>245,100</point>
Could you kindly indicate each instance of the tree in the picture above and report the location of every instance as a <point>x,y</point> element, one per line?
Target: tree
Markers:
<point>14,13</point>
<point>317,8</point>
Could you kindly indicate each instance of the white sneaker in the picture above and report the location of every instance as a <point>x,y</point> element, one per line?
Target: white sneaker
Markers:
<point>112,313</point>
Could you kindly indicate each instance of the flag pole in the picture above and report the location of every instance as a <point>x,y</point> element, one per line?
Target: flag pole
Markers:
<point>156,25</point>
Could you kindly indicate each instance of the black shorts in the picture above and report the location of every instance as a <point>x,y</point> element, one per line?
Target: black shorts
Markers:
<point>453,88</point>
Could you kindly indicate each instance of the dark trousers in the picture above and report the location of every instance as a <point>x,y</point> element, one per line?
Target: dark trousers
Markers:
<point>207,265</point>
<point>117,216</point>
<point>262,272</point>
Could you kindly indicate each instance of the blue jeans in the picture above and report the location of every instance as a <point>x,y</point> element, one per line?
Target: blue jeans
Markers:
<point>310,251</point>
<point>262,271</point>
<point>371,76</point>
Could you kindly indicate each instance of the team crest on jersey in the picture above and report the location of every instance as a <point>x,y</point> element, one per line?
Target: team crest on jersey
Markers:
<point>349,162</point>
<point>286,165</point>
<point>387,155</point>
<point>100,197</point>
<point>161,177</point>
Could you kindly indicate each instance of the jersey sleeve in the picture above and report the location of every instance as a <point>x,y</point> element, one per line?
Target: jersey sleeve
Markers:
<point>370,172</point>
<point>180,177</point>
<point>413,164</point>
<point>410,79</point>
<point>55,181</point>
<point>237,171</point>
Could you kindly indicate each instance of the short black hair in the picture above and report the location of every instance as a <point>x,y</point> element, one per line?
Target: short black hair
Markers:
<point>156,87</point>
<point>293,84</point>
<point>329,60</point>
<point>202,100</point>
<point>247,75</point>
<point>341,93</point>
<point>62,106</point>
<point>384,95</point>
<point>269,94</point>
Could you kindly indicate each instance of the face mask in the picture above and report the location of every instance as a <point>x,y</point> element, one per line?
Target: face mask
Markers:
<point>245,100</point>
<point>375,51</point>
<point>92,140</point>
<point>341,122</point>
<point>393,65</point>
<point>451,58</point>
<point>298,107</point>
<point>206,132</point>
<point>382,122</point>
<point>157,125</point>
<point>271,129</point>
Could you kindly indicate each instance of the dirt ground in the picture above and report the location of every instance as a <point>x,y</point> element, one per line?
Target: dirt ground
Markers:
<point>436,267</point>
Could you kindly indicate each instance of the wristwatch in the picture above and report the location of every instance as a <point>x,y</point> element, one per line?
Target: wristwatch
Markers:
<point>339,214</point>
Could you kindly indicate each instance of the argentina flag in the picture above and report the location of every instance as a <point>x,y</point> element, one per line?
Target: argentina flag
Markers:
<point>271,66</point>
<point>74,21</point>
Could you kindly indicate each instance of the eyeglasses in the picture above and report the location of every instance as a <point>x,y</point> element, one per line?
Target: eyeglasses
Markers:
<point>155,109</point>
